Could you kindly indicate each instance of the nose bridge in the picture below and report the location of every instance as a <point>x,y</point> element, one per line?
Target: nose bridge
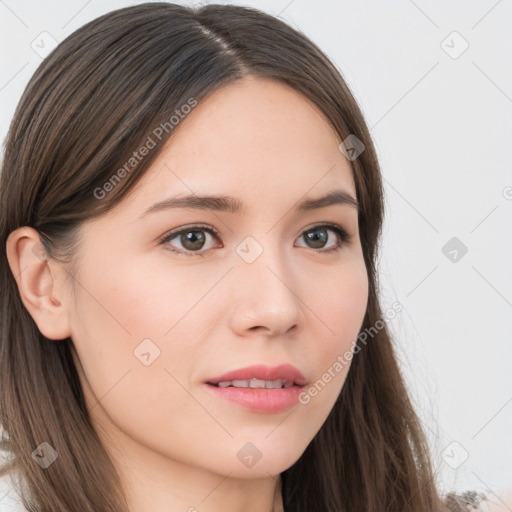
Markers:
<point>266,285</point>
<point>264,262</point>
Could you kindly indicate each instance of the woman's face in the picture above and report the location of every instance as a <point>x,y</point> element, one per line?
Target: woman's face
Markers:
<point>270,285</point>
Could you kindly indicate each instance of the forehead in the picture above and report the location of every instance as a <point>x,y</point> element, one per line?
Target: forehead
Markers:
<point>256,139</point>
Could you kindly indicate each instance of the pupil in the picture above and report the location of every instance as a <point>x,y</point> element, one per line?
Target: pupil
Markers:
<point>195,238</point>
<point>318,240</point>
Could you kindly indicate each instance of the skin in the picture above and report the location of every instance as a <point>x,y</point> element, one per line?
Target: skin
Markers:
<point>175,444</point>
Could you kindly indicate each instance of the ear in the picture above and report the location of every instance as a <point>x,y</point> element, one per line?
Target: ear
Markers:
<point>37,284</point>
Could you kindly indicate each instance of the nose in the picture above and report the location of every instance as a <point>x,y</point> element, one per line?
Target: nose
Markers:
<point>265,296</point>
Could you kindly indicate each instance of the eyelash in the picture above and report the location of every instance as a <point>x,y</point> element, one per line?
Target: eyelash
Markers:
<point>343,235</point>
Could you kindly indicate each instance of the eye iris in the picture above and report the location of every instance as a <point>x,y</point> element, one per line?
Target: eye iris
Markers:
<point>197,239</point>
<point>318,240</point>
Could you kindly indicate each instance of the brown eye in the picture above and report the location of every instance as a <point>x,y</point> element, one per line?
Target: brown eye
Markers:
<point>319,236</point>
<point>192,240</point>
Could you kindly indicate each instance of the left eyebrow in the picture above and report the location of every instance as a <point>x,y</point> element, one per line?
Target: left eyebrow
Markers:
<point>233,205</point>
<point>333,197</point>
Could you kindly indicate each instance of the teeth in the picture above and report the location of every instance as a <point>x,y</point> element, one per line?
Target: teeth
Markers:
<point>240,383</point>
<point>270,384</point>
<point>256,384</point>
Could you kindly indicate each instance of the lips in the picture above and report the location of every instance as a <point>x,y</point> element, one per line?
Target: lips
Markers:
<point>280,390</point>
<point>284,372</point>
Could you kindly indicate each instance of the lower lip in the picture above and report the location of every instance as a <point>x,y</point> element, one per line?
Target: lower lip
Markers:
<point>260,400</point>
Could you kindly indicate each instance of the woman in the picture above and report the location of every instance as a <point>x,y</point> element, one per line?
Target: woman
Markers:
<point>191,210</point>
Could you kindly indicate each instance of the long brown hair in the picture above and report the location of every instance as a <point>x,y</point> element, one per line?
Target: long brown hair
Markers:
<point>93,102</point>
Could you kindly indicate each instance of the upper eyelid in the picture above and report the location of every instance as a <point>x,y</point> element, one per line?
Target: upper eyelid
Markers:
<point>193,227</point>
<point>215,233</point>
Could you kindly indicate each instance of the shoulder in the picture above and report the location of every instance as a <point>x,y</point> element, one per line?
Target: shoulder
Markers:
<point>494,504</point>
<point>471,501</point>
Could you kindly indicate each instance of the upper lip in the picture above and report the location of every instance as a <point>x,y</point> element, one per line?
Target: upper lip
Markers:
<point>285,372</point>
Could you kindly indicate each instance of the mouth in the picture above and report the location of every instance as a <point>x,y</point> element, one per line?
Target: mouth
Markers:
<point>259,376</point>
<point>255,384</point>
<point>260,388</point>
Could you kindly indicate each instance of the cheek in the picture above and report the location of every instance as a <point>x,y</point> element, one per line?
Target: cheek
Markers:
<point>136,300</point>
<point>339,300</point>
<point>130,376</point>
<point>133,323</point>
<point>157,300</point>
<point>340,306</point>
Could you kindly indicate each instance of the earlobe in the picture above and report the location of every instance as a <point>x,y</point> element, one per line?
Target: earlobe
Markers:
<point>37,283</point>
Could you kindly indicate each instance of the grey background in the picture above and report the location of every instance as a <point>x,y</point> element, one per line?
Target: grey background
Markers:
<point>442,123</point>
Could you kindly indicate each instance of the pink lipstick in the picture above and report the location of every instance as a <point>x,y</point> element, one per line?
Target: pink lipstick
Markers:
<point>264,389</point>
